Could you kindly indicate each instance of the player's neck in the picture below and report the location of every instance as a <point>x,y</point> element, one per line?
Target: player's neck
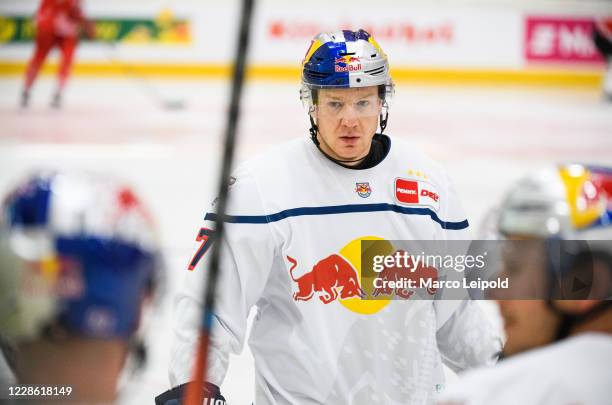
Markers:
<point>91,367</point>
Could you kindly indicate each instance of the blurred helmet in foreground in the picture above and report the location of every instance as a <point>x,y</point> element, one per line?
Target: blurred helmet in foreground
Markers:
<point>566,213</point>
<point>569,202</point>
<point>77,251</point>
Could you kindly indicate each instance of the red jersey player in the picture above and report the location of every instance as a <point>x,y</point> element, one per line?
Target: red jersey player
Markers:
<point>58,23</point>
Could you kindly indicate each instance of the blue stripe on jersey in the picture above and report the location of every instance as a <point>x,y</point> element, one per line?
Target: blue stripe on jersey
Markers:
<point>339,209</point>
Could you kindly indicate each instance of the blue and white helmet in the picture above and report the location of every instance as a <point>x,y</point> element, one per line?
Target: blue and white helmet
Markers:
<point>344,59</point>
<point>76,250</point>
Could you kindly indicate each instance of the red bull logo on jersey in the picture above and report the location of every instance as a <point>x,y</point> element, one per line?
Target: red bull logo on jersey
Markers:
<point>417,193</point>
<point>347,63</point>
<point>331,278</point>
<point>363,189</point>
<point>357,279</point>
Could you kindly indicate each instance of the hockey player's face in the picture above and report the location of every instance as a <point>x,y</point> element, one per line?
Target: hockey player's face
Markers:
<point>347,120</point>
<point>528,324</point>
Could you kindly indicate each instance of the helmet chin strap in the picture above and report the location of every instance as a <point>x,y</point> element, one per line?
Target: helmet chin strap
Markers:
<point>314,130</point>
<point>383,120</point>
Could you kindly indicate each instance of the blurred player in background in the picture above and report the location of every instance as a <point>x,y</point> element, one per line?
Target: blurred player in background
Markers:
<point>297,218</point>
<point>79,261</point>
<point>602,35</point>
<point>559,350</point>
<point>58,24</point>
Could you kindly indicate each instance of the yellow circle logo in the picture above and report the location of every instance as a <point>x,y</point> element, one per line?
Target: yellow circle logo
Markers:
<point>353,252</point>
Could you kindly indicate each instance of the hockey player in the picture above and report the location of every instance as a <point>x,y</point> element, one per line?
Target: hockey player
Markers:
<point>292,251</point>
<point>78,263</point>
<point>559,349</point>
<point>58,24</point>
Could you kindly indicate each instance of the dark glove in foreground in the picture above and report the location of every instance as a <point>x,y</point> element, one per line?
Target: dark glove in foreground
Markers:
<point>212,395</point>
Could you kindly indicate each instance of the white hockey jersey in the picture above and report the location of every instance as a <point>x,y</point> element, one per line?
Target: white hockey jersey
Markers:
<point>295,213</point>
<point>575,371</point>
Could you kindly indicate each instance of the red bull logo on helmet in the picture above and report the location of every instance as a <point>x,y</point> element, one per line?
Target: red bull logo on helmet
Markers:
<point>348,68</point>
<point>347,59</point>
<point>347,64</point>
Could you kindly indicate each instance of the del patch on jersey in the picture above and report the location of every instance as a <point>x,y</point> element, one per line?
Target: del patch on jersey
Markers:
<point>418,193</point>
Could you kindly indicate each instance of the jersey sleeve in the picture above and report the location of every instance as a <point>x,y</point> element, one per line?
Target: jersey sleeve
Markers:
<point>247,253</point>
<point>457,226</point>
<point>467,339</point>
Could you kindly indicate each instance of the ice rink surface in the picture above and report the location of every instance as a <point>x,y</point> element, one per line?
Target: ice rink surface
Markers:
<point>486,137</point>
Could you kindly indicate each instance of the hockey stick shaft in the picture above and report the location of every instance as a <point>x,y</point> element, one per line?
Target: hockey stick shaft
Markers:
<point>194,394</point>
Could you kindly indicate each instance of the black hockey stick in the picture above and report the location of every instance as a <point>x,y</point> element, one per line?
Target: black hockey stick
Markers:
<point>194,392</point>
<point>145,84</point>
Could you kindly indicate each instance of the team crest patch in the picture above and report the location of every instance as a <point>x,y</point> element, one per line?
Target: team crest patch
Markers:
<point>417,193</point>
<point>363,189</point>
